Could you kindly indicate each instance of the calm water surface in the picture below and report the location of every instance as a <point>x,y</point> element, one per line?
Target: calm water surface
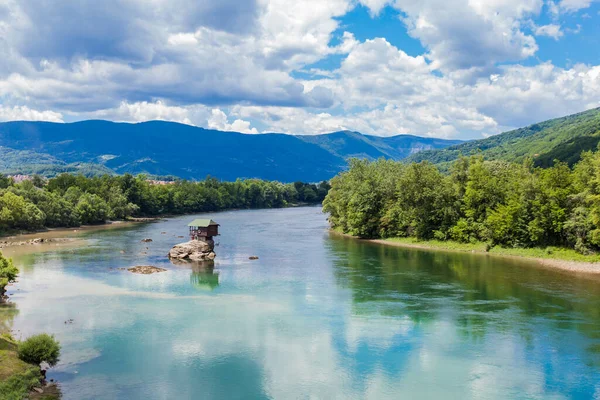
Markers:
<point>317,316</point>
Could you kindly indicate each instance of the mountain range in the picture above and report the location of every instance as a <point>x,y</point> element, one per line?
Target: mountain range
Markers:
<point>162,148</point>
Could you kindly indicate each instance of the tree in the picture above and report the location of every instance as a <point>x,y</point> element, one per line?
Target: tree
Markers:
<point>18,213</point>
<point>5,181</point>
<point>8,272</point>
<point>91,209</point>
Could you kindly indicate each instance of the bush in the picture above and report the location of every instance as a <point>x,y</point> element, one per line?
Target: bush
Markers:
<point>38,349</point>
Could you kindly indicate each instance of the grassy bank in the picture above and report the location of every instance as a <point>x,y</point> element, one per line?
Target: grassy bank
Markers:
<point>549,253</point>
<point>17,378</point>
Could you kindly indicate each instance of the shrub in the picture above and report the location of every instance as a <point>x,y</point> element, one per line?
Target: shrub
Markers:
<point>38,349</point>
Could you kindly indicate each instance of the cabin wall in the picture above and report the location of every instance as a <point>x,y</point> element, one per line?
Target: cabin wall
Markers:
<point>212,230</point>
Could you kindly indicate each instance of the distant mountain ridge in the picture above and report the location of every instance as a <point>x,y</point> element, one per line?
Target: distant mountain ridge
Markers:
<point>562,139</point>
<point>168,148</point>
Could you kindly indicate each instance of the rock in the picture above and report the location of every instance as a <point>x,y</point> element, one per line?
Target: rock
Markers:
<point>145,269</point>
<point>147,240</point>
<point>195,250</point>
<point>39,390</point>
<point>253,258</point>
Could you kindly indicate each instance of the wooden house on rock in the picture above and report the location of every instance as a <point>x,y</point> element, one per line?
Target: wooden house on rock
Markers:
<point>203,229</point>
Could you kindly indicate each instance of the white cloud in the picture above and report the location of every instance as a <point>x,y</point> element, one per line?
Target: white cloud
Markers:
<point>24,113</point>
<point>574,5</point>
<point>551,30</point>
<point>375,6</point>
<point>218,120</point>
<point>230,65</point>
<point>470,36</point>
<point>147,111</point>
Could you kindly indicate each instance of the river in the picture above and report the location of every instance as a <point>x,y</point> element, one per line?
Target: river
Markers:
<point>316,316</point>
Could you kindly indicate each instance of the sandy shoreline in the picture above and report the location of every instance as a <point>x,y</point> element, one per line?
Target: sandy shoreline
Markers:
<point>54,238</point>
<point>53,233</point>
<point>577,267</point>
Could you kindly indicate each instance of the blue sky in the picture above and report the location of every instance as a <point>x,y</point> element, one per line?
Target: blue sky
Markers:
<point>441,68</point>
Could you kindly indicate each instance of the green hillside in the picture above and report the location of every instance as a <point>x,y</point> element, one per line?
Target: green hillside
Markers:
<point>562,138</point>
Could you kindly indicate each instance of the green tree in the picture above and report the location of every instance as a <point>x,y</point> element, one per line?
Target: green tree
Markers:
<point>8,272</point>
<point>91,209</point>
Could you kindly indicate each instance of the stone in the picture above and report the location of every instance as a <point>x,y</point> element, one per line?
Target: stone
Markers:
<point>147,240</point>
<point>253,258</point>
<point>145,269</point>
<point>195,250</point>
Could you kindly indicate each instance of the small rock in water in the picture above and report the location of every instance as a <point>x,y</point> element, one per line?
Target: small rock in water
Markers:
<point>145,269</point>
<point>163,233</point>
<point>146,240</point>
<point>253,258</point>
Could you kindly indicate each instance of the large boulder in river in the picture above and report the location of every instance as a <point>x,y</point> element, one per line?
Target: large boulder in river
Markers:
<point>194,250</point>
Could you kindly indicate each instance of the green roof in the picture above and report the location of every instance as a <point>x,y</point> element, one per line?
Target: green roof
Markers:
<point>202,223</point>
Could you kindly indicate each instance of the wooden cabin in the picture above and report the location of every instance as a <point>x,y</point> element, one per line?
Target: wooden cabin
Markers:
<point>203,229</point>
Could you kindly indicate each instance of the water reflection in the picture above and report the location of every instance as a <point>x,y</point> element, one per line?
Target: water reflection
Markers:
<point>481,296</point>
<point>8,312</point>
<point>203,276</point>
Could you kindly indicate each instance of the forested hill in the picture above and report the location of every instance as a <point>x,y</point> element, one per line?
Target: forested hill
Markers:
<point>167,148</point>
<point>563,139</point>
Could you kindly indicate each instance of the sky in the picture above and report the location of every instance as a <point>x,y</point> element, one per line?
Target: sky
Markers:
<point>459,69</point>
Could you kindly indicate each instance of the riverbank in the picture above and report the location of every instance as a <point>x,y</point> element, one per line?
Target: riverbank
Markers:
<point>550,257</point>
<point>18,379</point>
<point>556,258</point>
<point>63,231</point>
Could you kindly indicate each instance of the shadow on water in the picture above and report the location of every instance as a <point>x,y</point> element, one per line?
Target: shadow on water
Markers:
<point>478,292</point>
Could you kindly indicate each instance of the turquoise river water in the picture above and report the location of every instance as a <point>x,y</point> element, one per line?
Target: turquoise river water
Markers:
<point>317,316</point>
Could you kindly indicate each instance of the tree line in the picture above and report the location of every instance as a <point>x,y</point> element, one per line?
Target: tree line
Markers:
<point>498,202</point>
<point>72,200</point>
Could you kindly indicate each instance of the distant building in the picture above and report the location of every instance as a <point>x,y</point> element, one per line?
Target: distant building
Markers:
<point>203,229</point>
<point>20,178</point>
<point>155,182</point>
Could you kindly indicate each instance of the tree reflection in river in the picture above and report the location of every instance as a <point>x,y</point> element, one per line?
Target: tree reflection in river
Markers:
<point>477,292</point>
<point>203,274</point>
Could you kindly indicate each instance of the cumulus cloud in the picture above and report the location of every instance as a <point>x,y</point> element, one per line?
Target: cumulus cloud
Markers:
<point>147,111</point>
<point>86,56</point>
<point>471,36</point>
<point>218,120</point>
<point>24,113</point>
<point>233,65</point>
<point>384,91</point>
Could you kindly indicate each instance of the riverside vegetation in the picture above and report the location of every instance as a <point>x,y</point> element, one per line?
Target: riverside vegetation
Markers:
<point>496,203</point>
<point>72,200</point>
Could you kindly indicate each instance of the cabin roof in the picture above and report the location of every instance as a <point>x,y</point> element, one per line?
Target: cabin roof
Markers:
<point>202,223</point>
